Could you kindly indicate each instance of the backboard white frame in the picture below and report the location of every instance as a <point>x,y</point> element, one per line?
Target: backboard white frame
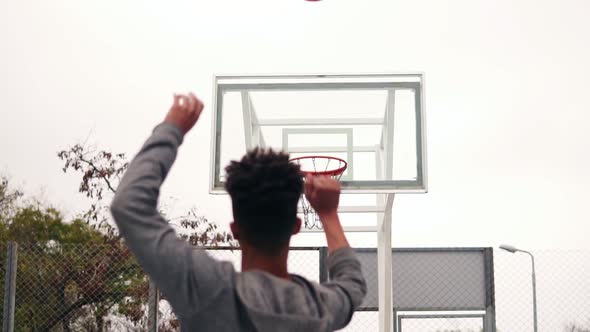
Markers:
<point>252,125</point>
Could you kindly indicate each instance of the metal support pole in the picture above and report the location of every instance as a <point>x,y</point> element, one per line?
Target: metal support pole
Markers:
<point>246,110</point>
<point>10,287</point>
<point>490,315</point>
<point>323,266</point>
<point>384,267</point>
<point>152,307</point>
<point>534,290</point>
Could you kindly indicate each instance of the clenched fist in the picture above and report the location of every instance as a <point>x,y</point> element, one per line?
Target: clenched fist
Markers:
<point>185,111</point>
<point>323,194</point>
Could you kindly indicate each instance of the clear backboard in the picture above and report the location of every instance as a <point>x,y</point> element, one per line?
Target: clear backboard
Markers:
<point>374,122</point>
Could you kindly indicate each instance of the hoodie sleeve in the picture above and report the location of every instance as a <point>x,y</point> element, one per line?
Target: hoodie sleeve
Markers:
<point>347,288</point>
<point>188,277</point>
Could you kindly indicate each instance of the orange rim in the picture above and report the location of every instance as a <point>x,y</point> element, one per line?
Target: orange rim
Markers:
<point>332,172</point>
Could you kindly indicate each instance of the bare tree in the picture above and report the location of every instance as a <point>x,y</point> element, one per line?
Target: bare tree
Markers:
<point>101,172</point>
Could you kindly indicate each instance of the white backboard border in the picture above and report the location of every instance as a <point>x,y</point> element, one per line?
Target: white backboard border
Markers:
<point>414,82</point>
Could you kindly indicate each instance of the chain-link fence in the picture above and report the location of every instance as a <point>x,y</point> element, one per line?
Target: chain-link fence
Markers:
<point>100,287</point>
<point>3,250</point>
<point>562,291</point>
<point>78,288</point>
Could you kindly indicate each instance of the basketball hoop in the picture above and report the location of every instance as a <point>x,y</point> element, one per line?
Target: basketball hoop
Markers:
<point>318,166</point>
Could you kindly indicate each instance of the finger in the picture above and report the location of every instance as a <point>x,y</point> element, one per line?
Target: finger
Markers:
<point>321,181</point>
<point>309,185</point>
<point>327,183</point>
<point>192,102</point>
<point>331,182</point>
<point>311,194</point>
<point>187,102</point>
<point>310,180</point>
<point>176,100</point>
<point>200,105</point>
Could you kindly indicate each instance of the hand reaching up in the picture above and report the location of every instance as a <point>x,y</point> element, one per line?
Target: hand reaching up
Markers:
<point>323,194</point>
<point>185,111</point>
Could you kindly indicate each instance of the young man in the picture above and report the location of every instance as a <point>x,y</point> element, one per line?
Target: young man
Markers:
<point>209,295</point>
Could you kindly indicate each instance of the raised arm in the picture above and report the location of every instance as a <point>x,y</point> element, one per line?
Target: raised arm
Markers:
<point>189,278</point>
<point>347,287</point>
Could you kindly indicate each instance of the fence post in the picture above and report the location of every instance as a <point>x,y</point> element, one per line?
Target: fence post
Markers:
<point>10,287</point>
<point>152,307</point>
<point>323,266</point>
<point>490,316</point>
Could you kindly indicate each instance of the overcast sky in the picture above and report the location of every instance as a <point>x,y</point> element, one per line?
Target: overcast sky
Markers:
<point>506,97</point>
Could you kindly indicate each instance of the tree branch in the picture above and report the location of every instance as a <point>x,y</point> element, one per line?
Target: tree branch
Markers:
<point>91,164</point>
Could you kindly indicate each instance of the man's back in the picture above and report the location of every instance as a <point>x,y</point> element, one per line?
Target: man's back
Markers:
<point>259,301</point>
<point>209,295</point>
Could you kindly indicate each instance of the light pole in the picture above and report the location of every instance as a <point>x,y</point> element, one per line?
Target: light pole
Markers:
<point>513,250</point>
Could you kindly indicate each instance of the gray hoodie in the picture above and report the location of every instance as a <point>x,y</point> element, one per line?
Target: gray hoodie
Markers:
<point>209,295</point>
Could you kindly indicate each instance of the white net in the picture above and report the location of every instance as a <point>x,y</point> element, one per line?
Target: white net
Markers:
<point>318,166</point>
